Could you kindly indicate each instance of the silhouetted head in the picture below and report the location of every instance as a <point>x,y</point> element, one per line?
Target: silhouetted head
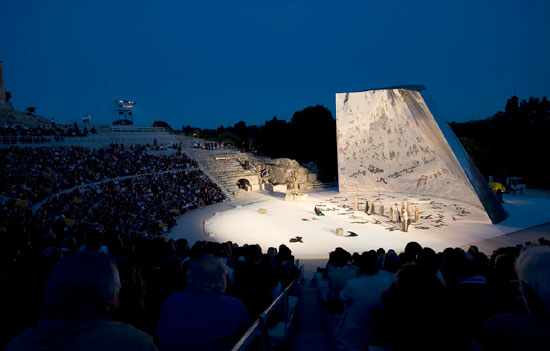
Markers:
<point>213,248</point>
<point>272,251</point>
<point>391,261</point>
<point>253,254</point>
<point>454,266</point>
<point>284,254</point>
<point>340,257</point>
<point>206,275</point>
<point>94,240</point>
<point>412,250</point>
<point>428,258</point>
<point>532,267</point>
<point>368,263</point>
<point>82,284</point>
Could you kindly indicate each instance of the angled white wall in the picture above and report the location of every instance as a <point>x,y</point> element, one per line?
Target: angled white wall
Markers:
<point>388,141</point>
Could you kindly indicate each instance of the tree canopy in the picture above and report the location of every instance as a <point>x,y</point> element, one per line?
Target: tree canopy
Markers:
<point>162,124</point>
<point>310,136</point>
<point>510,143</point>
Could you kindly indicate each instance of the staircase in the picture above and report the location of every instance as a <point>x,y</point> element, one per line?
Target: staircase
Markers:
<point>225,167</point>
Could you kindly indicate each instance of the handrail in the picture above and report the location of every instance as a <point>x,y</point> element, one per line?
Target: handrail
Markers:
<point>265,314</point>
<point>260,326</point>
<point>324,185</point>
<point>247,338</point>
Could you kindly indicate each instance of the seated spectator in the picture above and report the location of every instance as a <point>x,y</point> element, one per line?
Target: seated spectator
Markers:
<point>381,253</point>
<point>251,286</point>
<point>419,317</point>
<point>284,266</point>
<point>201,317</point>
<point>339,271</point>
<point>362,298</point>
<point>504,280</point>
<point>272,251</point>
<point>525,331</point>
<point>269,279</point>
<point>428,258</point>
<point>81,290</point>
<point>412,250</point>
<point>391,262</point>
<point>132,295</point>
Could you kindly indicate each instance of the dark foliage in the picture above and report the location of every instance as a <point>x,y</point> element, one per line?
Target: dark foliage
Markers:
<point>162,124</point>
<point>510,143</point>
<point>310,136</point>
<point>30,110</point>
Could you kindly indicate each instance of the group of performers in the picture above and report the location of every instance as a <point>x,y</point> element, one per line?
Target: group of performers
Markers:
<point>404,216</point>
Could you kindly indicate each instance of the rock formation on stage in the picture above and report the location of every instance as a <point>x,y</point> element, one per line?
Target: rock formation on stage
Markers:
<point>286,171</point>
<point>388,141</point>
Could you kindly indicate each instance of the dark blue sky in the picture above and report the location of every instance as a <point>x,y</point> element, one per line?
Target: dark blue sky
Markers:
<point>215,63</point>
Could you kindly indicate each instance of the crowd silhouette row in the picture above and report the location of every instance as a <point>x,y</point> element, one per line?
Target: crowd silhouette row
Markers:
<point>13,134</point>
<point>91,268</point>
<point>35,173</point>
<point>206,296</point>
<point>451,300</point>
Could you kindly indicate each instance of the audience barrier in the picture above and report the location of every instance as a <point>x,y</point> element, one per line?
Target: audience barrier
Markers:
<point>284,305</point>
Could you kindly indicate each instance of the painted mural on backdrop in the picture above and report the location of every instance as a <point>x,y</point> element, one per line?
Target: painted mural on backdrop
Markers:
<point>389,141</point>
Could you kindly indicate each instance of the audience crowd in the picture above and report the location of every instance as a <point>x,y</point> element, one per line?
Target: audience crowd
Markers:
<point>12,134</point>
<point>35,173</point>
<point>133,205</point>
<point>212,284</point>
<point>451,300</point>
<point>90,269</point>
<point>122,200</point>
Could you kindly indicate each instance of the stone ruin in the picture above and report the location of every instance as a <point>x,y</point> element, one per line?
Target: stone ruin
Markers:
<point>288,176</point>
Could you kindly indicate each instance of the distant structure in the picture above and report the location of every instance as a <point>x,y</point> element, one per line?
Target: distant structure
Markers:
<point>2,89</point>
<point>388,141</point>
<point>123,112</point>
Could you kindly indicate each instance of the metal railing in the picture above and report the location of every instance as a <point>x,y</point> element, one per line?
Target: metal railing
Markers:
<point>324,185</point>
<point>133,128</point>
<point>260,329</point>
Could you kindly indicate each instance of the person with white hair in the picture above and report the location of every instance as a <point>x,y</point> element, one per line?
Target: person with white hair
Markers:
<point>533,268</point>
<point>201,317</point>
<point>81,291</point>
<point>525,331</point>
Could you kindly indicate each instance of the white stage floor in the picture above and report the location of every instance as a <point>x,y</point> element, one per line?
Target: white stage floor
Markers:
<point>443,223</point>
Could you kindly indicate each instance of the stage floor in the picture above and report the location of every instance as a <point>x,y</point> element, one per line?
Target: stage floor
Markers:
<point>443,223</point>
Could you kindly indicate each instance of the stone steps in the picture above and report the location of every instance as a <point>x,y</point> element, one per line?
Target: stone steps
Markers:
<point>225,172</point>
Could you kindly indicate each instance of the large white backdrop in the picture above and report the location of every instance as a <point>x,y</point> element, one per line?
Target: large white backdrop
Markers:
<point>388,141</point>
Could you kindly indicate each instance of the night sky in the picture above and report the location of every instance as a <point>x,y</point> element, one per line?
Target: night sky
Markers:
<point>212,63</point>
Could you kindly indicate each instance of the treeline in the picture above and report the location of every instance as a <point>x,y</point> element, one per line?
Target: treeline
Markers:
<point>309,137</point>
<point>510,143</point>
